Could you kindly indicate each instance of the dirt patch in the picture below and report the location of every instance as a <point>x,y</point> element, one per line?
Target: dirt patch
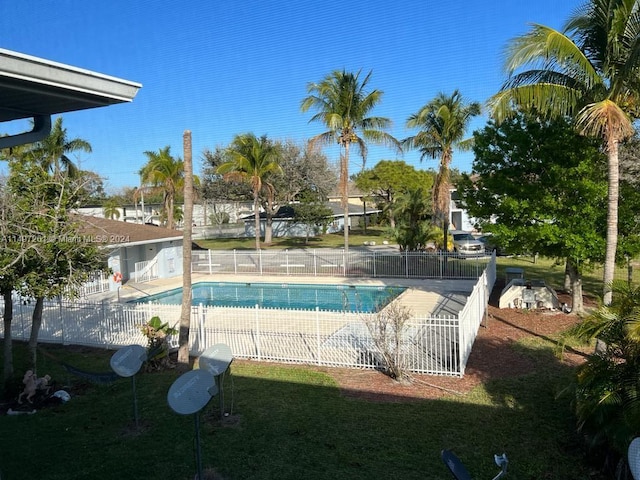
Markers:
<point>492,357</point>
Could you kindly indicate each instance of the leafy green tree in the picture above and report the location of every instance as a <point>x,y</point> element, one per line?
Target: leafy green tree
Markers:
<point>165,173</point>
<point>303,169</point>
<point>388,179</point>
<point>52,152</point>
<point>50,256</point>
<point>252,160</point>
<point>216,190</point>
<point>442,125</point>
<point>587,71</point>
<point>312,211</point>
<point>539,187</point>
<point>343,104</point>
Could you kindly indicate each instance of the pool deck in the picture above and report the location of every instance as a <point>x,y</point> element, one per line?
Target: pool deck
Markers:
<point>422,297</point>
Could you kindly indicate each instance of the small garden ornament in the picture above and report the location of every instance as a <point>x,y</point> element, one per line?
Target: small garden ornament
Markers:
<point>30,386</point>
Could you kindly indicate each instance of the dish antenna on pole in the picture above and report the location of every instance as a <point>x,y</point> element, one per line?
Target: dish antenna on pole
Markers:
<point>216,360</point>
<point>126,362</point>
<point>189,394</point>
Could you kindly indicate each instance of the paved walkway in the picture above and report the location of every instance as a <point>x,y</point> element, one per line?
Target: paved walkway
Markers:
<point>423,296</point>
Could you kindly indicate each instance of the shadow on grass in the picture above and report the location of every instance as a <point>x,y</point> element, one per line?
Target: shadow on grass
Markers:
<point>293,422</point>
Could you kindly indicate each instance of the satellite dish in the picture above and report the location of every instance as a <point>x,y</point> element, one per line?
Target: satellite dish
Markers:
<point>191,391</point>
<point>454,465</point>
<point>216,359</point>
<point>634,458</point>
<point>127,361</point>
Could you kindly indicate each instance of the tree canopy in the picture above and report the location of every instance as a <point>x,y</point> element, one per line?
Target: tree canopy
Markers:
<point>539,186</point>
<point>589,72</point>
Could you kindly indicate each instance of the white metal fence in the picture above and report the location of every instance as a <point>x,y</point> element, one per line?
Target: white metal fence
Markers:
<point>433,345</point>
<point>98,282</point>
<point>384,262</point>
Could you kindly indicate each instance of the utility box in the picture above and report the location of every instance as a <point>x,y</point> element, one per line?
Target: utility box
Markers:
<point>513,272</point>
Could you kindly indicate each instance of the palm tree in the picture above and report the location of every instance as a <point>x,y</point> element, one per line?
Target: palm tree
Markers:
<point>443,123</point>
<point>343,103</point>
<point>52,151</point>
<point>411,209</point>
<point>252,160</point>
<point>167,173</point>
<point>607,389</point>
<point>110,209</point>
<point>588,71</point>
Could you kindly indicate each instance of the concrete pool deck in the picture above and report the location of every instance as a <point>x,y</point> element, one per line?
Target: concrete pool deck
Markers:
<point>423,296</point>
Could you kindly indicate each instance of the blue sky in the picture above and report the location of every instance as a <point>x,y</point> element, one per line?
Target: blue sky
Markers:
<point>222,67</point>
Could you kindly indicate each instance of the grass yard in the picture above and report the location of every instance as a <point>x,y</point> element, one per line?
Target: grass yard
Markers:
<point>291,422</point>
<point>553,274</point>
<point>357,237</point>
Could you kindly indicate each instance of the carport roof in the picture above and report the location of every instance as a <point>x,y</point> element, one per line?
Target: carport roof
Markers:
<point>31,87</point>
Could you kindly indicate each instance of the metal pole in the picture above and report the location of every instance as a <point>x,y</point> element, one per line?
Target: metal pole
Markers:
<point>135,401</point>
<point>198,457</point>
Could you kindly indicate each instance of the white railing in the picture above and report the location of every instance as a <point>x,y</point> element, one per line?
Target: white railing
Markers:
<point>432,345</point>
<point>334,262</point>
<point>146,271</point>
<point>98,282</point>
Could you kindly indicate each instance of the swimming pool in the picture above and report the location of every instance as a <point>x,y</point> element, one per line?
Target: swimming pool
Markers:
<point>291,296</point>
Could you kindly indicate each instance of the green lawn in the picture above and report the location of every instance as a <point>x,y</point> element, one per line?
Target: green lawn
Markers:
<point>290,422</point>
<point>357,237</point>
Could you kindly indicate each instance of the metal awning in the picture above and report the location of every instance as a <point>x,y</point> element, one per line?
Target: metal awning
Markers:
<point>32,87</point>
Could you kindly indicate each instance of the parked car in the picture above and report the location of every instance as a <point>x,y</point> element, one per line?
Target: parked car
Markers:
<point>490,244</point>
<point>466,244</point>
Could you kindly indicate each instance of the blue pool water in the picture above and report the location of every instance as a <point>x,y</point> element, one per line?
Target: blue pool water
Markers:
<point>284,296</point>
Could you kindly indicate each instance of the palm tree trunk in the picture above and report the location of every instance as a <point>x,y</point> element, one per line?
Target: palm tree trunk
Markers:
<point>612,220</point>
<point>8,342</point>
<point>256,208</point>
<point>185,312</point>
<point>344,188</point>
<point>170,211</point>
<point>575,276</point>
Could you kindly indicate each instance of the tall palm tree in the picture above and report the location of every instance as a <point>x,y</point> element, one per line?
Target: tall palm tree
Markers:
<point>52,151</point>
<point>588,71</point>
<point>443,123</point>
<point>252,160</point>
<point>342,103</point>
<point>167,173</point>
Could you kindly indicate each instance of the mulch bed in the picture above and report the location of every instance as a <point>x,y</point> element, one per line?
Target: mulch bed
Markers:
<point>492,357</point>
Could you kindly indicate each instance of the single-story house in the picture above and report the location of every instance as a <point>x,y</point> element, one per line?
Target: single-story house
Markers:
<point>136,252</point>
<point>284,224</point>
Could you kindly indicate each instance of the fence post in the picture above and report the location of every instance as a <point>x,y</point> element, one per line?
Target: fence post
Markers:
<point>257,330</point>
<point>61,318</point>
<point>344,262</point>
<point>286,257</point>
<point>315,263</point>
<point>210,262</point>
<point>318,336</point>
<point>374,263</point>
<point>260,260</point>
<point>235,262</point>
<point>406,264</point>
<point>105,327</point>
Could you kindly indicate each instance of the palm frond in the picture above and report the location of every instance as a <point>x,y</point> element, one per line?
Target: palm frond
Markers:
<point>605,119</point>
